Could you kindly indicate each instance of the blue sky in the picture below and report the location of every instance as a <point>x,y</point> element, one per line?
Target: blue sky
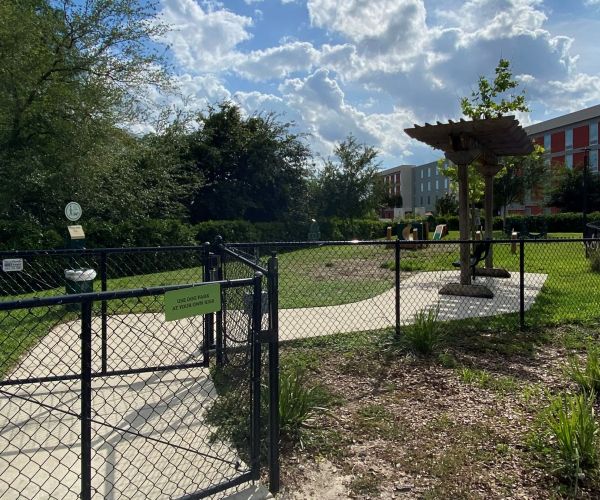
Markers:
<point>375,67</point>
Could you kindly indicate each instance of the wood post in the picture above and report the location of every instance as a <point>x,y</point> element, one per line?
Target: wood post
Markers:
<point>463,221</point>
<point>489,217</point>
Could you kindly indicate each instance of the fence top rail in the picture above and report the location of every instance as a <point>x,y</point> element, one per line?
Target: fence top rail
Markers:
<point>7,254</point>
<point>243,259</point>
<point>113,295</point>
<point>402,242</point>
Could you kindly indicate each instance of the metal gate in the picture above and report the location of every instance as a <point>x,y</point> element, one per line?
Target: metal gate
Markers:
<point>101,397</point>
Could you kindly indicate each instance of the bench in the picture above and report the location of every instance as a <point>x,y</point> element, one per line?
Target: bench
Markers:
<point>480,252</point>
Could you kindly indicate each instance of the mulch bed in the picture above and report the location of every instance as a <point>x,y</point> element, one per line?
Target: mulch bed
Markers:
<point>411,428</point>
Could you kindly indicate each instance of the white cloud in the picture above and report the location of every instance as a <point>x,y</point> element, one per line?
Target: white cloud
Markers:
<point>278,62</point>
<point>322,106</point>
<point>386,33</point>
<point>203,40</point>
<point>391,63</point>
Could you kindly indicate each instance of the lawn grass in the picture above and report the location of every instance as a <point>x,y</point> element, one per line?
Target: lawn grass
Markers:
<point>570,293</point>
<point>332,275</point>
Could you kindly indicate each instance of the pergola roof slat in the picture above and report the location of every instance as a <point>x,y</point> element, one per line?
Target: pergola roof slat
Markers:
<point>502,136</point>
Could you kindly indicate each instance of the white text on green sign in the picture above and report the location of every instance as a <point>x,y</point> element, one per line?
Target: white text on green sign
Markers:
<point>193,301</point>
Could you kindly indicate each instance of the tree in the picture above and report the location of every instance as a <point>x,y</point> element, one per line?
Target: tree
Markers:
<point>147,178</point>
<point>568,193</point>
<point>446,205</point>
<point>494,99</point>
<point>476,182</point>
<point>71,73</point>
<point>484,102</point>
<point>350,187</point>
<point>254,168</point>
<point>519,174</point>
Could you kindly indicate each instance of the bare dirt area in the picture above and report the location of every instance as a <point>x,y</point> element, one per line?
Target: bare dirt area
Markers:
<point>356,269</point>
<point>456,425</point>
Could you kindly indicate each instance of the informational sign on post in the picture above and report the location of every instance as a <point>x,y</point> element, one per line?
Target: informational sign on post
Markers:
<point>73,211</point>
<point>193,301</point>
<point>12,265</point>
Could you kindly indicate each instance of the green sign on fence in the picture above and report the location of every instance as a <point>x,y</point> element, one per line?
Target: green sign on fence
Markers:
<point>193,301</point>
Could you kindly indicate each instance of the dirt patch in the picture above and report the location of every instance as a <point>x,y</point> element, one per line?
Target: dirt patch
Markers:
<point>351,269</point>
<point>410,428</point>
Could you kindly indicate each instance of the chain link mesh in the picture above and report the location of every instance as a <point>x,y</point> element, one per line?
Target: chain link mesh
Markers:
<point>43,272</point>
<point>327,288</point>
<point>151,395</point>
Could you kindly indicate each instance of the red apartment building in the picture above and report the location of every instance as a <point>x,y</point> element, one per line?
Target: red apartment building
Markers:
<point>567,140</point>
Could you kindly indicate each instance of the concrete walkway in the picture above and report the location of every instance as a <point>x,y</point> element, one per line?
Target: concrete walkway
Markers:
<point>417,292</point>
<point>153,441</point>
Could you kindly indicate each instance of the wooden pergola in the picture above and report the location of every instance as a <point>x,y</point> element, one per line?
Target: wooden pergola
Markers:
<point>479,142</point>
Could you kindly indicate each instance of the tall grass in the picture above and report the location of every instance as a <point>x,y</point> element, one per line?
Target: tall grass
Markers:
<point>425,335</point>
<point>299,401</point>
<point>574,431</point>
<point>586,376</point>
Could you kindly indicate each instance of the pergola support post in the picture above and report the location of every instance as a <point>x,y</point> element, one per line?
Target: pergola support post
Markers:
<point>463,217</point>
<point>489,217</point>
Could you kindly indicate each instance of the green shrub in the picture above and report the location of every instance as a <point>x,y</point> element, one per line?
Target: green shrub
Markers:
<point>574,431</point>
<point>425,336</point>
<point>299,401</point>
<point>587,377</point>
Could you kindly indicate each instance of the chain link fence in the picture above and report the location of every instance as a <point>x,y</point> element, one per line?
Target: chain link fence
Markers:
<point>43,272</point>
<point>123,404</point>
<point>329,288</point>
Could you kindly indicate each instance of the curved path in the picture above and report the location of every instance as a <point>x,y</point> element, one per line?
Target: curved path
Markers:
<point>417,292</point>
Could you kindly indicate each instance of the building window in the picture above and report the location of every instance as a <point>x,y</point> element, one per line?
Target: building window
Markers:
<point>422,187</point>
<point>421,201</point>
<point>428,185</point>
<point>569,160</point>
<point>429,200</point>
<point>594,160</point>
<point>422,174</point>
<point>446,183</point>
<point>437,184</point>
<point>594,133</point>
<point>547,142</point>
<point>569,139</point>
<point>428,171</point>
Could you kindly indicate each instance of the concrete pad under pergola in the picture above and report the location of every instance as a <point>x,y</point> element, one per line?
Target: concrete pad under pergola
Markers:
<point>479,142</point>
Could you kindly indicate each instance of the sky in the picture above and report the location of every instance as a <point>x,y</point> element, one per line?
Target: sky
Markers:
<point>372,68</point>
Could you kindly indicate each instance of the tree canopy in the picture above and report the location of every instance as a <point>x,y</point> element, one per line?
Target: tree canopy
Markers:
<point>493,99</point>
<point>568,192</point>
<point>253,167</point>
<point>71,73</point>
<point>349,186</point>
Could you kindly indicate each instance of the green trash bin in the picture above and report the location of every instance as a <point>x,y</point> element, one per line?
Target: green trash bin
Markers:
<point>78,281</point>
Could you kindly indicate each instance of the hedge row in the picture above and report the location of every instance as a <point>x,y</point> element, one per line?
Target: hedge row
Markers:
<point>27,235</point>
<point>100,234</point>
<point>556,223</point>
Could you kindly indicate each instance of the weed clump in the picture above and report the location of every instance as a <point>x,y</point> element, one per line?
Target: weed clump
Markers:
<point>594,257</point>
<point>425,336</point>
<point>573,430</point>
<point>586,376</point>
